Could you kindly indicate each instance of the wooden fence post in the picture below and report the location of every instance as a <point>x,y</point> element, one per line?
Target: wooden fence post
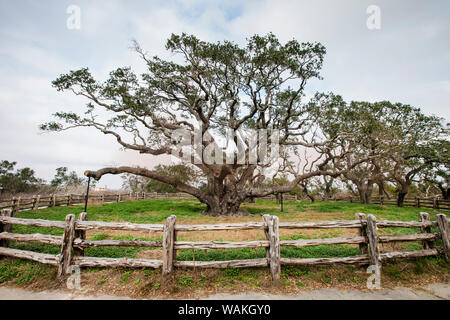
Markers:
<point>102,199</point>
<point>425,217</point>
<point>445,234</point>
<point>80,234</point>
<point>374,254</point>
<point>16,205</point>
<point>168,244</point>
<point>363,247</point>
<point>266,219</point>
<point>274,247</point>
<point>66,247</point>
<point>5,227</point>
<point>36,200</point>
<point>54,200</point>
<point>33,202</point>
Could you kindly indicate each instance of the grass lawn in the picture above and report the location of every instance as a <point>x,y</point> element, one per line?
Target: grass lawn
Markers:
<point>188,212</point>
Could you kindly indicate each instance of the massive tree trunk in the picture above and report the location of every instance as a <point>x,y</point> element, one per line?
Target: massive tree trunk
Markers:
<point>365,192</point>
<point>306,191</point>
<point>402,193</point>
<point>445,190</point>
<point>327,191</point>
<point>227,205</point>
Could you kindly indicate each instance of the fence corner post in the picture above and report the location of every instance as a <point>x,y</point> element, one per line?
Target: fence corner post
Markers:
<point>16,205</point>
<point>66,247</point>
<point>80,234</point>
<point>374,254</point>
<point>4,227</point>
<point>425,218</point>
<point>168,244</point>
<point>273,254</point>
<point>36,200</point>
<point>445,234</point>
<point>363,247</point>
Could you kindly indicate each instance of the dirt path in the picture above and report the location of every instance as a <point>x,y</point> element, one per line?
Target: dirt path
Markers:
<point>437,291</point>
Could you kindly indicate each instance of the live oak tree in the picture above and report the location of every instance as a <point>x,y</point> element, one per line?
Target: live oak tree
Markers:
<point>430,167</point>
<point>370,138</point>
<point>420,146</point>
<point>399,139</point>
<point>438,176</point>
<point>216,88</point>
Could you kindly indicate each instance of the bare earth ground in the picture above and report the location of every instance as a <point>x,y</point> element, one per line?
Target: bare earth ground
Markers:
<point>437,291</point>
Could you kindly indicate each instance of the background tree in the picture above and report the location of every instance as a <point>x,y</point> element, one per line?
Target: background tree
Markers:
<point>418,147</point>
<point>15,180</point>
<point>69,181</point>
<point>133,182</point>
<point>437,176</point>
<point>64,179</point>
<point>400,140</point>
<point>181,172</point>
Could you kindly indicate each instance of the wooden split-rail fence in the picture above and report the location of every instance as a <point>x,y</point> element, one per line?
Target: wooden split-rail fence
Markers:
<point>417,202</point>
<point>73,242</point>
<point>37,202</point>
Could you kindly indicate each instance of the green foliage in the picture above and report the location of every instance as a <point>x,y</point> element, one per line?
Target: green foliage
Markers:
<point>18,180</point>
<point>185,281</point>
<point>231,272</point>
<point>21,271</point>
<point>65,179</point>
<point>125,277</point>
<point>181,172</point>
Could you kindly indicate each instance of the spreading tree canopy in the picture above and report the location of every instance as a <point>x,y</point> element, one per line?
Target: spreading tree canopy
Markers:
<point>215,90</point>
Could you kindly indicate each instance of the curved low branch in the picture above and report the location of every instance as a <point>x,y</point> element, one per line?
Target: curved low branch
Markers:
<point>177,184</point>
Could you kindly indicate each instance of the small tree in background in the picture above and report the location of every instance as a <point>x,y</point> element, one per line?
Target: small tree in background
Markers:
<point>69,181</point>
<point>15,180</point>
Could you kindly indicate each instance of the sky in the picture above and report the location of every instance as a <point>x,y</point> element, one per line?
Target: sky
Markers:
<point>405,59</point>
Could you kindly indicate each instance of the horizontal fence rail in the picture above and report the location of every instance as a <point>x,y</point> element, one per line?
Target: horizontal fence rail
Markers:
<point>73,242</point>
<point>417,202</point>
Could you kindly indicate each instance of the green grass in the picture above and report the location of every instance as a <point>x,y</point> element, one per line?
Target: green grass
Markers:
<point>185,281</point>
<point>23,272</point>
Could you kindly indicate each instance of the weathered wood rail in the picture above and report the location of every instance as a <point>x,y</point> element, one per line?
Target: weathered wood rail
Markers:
<point>417,202</point>
<point>37,202</point>
<point>73,242</point>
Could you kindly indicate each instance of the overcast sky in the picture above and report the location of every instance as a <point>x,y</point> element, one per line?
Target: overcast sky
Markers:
<point>407,60</point>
